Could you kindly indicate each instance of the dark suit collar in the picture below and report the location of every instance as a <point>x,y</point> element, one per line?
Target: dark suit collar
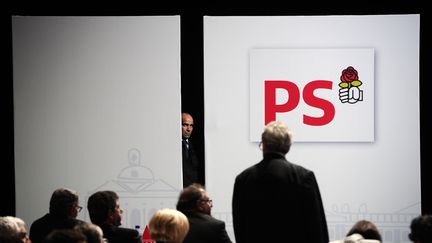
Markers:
<point>196,214</point>
<point>273,155</point>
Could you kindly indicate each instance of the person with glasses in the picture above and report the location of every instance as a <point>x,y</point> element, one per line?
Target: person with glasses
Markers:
<point>276,200</point>
<point>63,211</point>
<point>104,211</point>
<point>195,203</point>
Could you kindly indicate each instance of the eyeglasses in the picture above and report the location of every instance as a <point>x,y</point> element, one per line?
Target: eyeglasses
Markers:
<point>260,145</point>
<point>207,201</point>
<point>79,208</point>
<point>23,235</point>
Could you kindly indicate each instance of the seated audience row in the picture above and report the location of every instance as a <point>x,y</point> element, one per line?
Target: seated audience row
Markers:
<point>364,231</point>
<point>190,222</point>
<point>172,226</point>
<point>105,213</point>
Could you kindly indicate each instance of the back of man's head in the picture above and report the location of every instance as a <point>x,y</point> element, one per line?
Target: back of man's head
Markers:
<point>66,236</point>
<point>189,198</point>
<point>93,233</point>
<point>100,204</point>
<point>276,138</point>
<point>61,201</point>
<point>421,229</point>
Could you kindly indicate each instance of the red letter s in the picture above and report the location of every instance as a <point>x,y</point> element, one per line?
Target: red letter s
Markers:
<point>312,100</point>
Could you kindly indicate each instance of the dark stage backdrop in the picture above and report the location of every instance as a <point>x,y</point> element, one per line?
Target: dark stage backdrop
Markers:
<point>192,85</point>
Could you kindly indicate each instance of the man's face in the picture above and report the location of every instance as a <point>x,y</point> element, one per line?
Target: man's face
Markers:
<point>24,235</point>
<point>187,125</point>
<point>205,204</point>
<point>74,210</point>
<point>116,216</point>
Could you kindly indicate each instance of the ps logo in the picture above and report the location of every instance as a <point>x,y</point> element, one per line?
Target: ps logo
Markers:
<point>271,108</point>
<point>349,92</point>
<point>325,95</point>
<point>350,83</point>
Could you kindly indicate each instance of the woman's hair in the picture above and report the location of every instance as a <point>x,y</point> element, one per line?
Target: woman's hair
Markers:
<point>366,229</point>
<point>168,225</point>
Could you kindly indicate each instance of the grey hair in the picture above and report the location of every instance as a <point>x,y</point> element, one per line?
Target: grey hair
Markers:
<point>9,229</point>
<point>277,137</point>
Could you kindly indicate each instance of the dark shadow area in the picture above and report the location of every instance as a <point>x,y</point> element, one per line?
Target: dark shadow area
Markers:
<point>192,66</point>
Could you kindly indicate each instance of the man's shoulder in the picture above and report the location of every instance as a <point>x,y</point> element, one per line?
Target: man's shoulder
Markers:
<point>201,217</point>
<point>127,231</point>
<point>281,165</point>
<point>42,220</point>
<point>247,171</point>
<point>119,232</point>
<point>303,171</point>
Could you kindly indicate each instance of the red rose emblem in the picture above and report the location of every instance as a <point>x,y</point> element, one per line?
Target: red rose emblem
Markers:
<point>349,75</point>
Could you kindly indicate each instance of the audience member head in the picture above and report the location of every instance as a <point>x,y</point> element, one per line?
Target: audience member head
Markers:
<point>13,229</point>
<point>421,229</point>
<point>367,229</point>
<point>168,225</point>
<point>356,238</point>
<point>22,231</point>
<point>276,138</point>
<point>9,230</point>
<point>64,203</point>
<point>104,207</point>
<point>92,232</point>
<point>187,125</point>
<point>194,198</point>
<point>66,236</point>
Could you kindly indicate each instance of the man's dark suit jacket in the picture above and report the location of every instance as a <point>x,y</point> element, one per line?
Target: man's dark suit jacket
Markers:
<point>191,165</point>
<point>278,201</point>
<point>41,227</point>
<point>115,234</point>
<point>204,228</point>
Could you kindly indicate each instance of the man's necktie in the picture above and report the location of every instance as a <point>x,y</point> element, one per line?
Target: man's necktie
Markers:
<point>186,145</point>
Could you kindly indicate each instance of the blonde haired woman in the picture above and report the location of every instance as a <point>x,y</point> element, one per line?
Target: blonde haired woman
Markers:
<point>169,226</point>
